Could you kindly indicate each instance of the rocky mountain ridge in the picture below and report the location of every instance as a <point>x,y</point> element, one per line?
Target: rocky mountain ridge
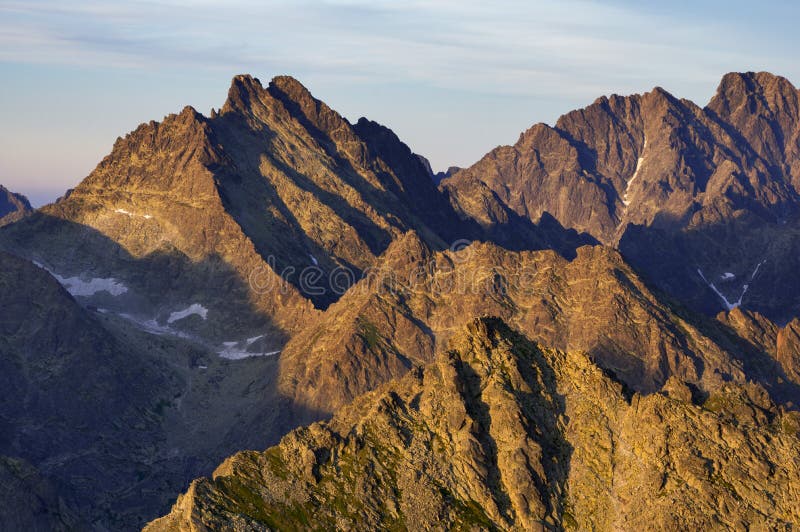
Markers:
<point>594,304</point>
<point>703,202</point>
<point>500,434</point>
<point>202,252</point>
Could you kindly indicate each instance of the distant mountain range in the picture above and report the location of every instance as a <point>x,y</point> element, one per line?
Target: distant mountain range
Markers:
<point>600,316</point>
<point>12,206</point>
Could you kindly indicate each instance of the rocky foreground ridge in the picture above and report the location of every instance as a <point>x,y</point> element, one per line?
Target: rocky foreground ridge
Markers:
<point>498,433</point>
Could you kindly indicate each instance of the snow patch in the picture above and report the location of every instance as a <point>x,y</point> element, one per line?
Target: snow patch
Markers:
<point>194,308</point>
<point>745,287</point>
<point>153,327</point>
<point>78,287</point>
<point>238,350</point>
<point>752,275</point>
<point>128,213</point>
<point>236,353</point>
<point>727,276</point>
<point>625,200</point>
<point>728,305</point>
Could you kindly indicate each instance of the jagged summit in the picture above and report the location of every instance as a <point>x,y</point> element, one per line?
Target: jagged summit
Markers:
<point>246,79</point>
<point>637,171</point>
<point>293,89</point>
<point>276,181</point>
<point>243,88</point>
<point>283,94</point>
<point>738,84</point>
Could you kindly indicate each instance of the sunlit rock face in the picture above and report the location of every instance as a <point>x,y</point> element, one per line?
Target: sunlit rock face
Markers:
<point>498,433</point>
<point>688,194</point>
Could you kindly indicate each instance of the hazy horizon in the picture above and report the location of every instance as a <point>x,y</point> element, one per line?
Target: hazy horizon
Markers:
<point>452,79</point>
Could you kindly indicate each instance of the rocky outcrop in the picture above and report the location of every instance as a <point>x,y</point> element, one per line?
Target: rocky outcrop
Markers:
<point>781,344</point>
<point>499,433</point>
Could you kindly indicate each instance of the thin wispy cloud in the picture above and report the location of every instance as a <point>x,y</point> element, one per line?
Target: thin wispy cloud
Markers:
<point>499,46</point>
<point>546,55</point>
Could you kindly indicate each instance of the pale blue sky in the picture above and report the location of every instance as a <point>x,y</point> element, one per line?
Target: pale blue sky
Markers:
<point>453,78</point>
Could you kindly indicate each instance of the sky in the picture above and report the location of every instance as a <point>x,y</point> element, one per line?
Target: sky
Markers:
<point>453,78</point>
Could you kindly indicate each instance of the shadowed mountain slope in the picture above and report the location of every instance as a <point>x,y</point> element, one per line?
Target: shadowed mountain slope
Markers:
<point>12,206</point>
<point>101,424</point>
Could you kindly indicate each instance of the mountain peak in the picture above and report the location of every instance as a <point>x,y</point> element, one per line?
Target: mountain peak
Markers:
<point>659,97</point>
<point>13,206</point>
<point>752,81</point>
<point>244,88</point>
<point>245,80</point>
<point>290,85</point>
<point>758,88</point>
<point>190,115</point>
<point>290,91</point>
<point>536,131</point>
<point>407,248</point>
